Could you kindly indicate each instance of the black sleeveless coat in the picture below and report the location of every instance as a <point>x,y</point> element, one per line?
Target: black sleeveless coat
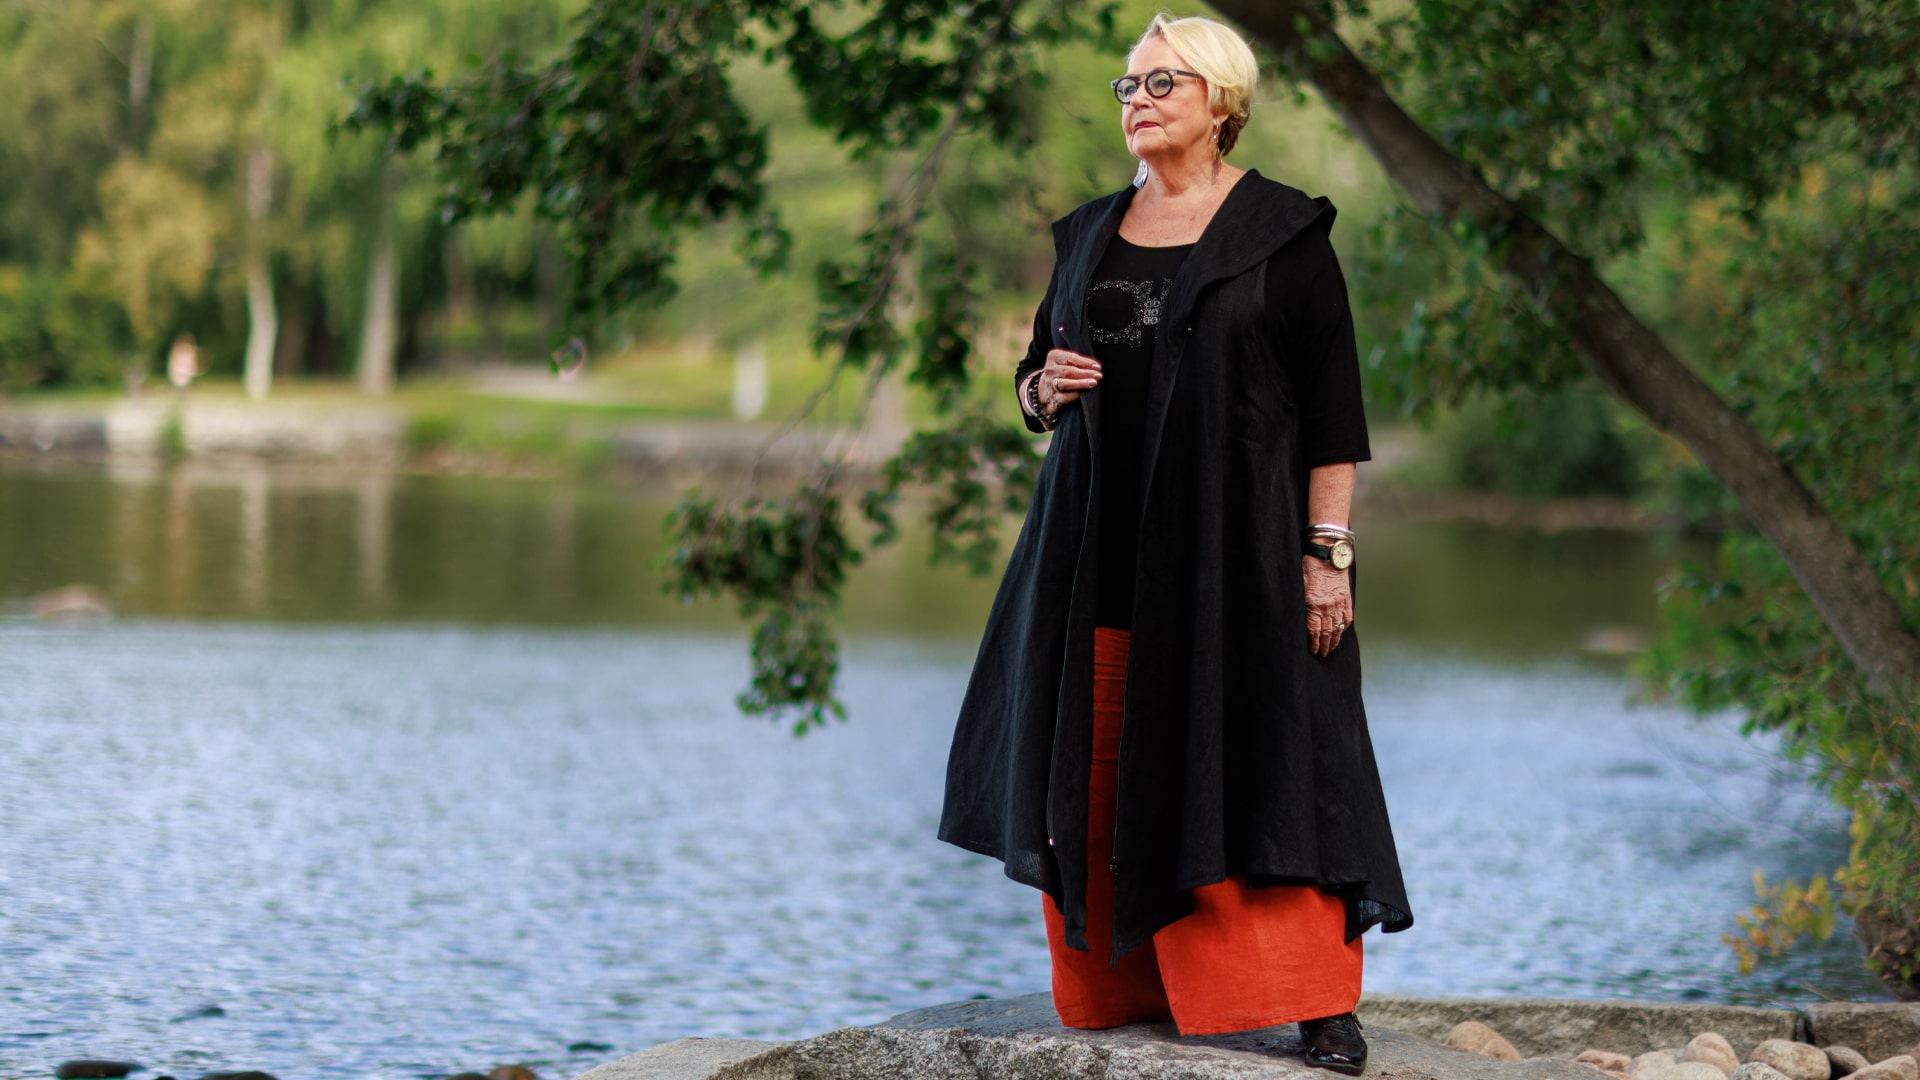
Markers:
<point>1243,753</point>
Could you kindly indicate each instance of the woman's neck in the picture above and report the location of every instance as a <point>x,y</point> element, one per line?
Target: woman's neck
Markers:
<point>1196,177</point>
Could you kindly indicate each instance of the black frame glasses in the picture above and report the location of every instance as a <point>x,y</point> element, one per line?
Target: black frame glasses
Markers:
<point>1159,83</point>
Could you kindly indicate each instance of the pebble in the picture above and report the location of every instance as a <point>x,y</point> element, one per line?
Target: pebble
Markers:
<point>512,1072</point>
<point>1798,1061</point>
<point>1475,1037</point>
<point>1897,1067</point>
<point>1653,1061</point>
<point>1606,1061</point>
<point>1754,1070</point>
<point>1845,1060</point>
<point>81,1068</point>
<point>1712,1048</point>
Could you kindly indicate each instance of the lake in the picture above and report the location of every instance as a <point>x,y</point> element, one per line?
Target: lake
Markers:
<point>378,776</point>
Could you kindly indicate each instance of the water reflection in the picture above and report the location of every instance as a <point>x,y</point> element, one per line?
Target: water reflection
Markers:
<point>249,542</point>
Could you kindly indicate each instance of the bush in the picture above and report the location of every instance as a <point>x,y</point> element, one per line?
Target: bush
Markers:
<point>1565,443</point>
<point>59,330</point>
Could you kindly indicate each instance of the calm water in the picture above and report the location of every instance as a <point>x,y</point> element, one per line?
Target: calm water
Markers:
<point>396,778</point>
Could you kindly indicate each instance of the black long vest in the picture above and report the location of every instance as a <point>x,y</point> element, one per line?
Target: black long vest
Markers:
<point>1242,752</point>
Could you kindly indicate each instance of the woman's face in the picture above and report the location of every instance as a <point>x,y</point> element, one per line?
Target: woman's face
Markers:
<point>1173,125</point>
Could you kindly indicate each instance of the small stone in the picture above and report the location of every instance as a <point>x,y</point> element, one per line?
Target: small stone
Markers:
<point>1693,1070</point>
<point>1897,1067</point>
<point>512,1072</point>
<point>1798,1060</point>
<point>1606,1061</point>
<point>1650,1064</point>
<point>585,1047</point>
<point>1714,1049</point>
<point>466,1076</point>
<point>1845,1060</point>
<point>1475,1037</point>
<point>1753,1070</point>
<point>85,1068</point>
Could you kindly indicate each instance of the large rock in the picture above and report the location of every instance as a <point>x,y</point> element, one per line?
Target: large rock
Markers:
<point>1797,1059</point>
<point>1897,1067</point>
<point>1647,1065</point>
<point>1474,1037</point>
<point>1712,1048</point>
<point>1022,1038</point>
<point>1844,1060</point>
<point>1692,1070</point>
<point>698,1059</point>
<point>94,1068</point>
<point>1563,1027</point>
<point>1754,1070</point>
<point>1877,1030</point>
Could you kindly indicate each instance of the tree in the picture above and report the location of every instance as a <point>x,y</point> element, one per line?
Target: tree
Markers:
<point>1549,134</point>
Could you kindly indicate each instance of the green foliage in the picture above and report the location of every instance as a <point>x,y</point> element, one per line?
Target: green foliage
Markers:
<point>981,471</point>
<point>784,562</point>
<point>1824,345</point>
<point>636,132</point>
<point>59,331</point>
<point>1568,442</point>
<point>1786,912</point>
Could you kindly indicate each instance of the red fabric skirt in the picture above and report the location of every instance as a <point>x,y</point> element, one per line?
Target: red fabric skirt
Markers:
<point>1245,958</point>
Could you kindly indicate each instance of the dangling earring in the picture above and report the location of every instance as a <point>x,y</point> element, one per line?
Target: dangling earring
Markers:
<point>1140,175</point>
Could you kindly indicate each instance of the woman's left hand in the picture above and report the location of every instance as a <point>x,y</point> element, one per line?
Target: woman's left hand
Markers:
<point>1329,604</point>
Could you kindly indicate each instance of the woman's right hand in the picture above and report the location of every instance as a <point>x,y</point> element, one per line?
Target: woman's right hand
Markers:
<point>1065,376</point>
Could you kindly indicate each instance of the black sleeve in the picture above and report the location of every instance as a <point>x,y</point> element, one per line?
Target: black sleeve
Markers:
<point>1306,288</point>
<point>1037,348</point>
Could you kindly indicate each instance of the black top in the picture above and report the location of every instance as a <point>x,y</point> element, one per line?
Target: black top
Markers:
<point>1125,299</point>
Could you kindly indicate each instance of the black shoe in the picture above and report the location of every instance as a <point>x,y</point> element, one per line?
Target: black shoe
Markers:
<point>1335,1042</point>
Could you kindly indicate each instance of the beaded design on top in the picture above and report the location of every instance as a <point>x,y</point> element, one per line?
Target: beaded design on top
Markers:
<point>1149,302</point>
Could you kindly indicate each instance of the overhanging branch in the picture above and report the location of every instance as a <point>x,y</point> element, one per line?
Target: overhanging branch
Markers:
<point>1627,354</point>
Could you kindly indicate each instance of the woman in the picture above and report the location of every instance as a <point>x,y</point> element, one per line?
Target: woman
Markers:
<point>1184,580</point>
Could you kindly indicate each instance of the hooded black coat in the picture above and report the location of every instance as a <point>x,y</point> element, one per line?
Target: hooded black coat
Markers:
<point>1242,752</point>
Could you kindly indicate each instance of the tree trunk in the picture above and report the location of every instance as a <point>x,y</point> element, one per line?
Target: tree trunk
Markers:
<point>139,81</point>
<point>1628,355</point>
<point>263,324</point>
<point>290,346</point>
<point>380,322</point>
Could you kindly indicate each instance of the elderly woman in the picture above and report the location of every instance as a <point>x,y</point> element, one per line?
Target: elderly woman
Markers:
<point>1164,731</point>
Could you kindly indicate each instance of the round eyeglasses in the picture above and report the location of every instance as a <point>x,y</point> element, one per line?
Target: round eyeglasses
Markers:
<point>1159,83</point>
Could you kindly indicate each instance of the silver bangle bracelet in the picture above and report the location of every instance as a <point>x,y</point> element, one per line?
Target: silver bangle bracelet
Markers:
<point>1327,528</point>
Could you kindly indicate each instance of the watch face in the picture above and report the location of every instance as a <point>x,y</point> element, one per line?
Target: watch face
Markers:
<point>1342,554</point>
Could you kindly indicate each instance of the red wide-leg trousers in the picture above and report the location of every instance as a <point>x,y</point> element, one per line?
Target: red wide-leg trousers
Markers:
<point>1245,958</point>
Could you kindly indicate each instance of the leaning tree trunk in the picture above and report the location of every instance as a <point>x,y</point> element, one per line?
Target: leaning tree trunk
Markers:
<point>380,323</point>
<point>263,323</point>
<point>1627,354</point>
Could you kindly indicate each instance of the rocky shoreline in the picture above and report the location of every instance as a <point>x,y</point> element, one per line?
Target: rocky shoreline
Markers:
<point>1438,1038</point>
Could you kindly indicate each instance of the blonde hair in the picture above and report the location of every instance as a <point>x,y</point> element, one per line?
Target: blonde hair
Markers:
<point>1222,58</point>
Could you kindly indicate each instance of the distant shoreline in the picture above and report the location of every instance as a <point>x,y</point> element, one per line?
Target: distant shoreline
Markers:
<point>306,437</point>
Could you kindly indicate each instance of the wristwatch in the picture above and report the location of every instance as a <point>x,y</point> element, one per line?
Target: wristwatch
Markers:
<point>1339,553</point>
